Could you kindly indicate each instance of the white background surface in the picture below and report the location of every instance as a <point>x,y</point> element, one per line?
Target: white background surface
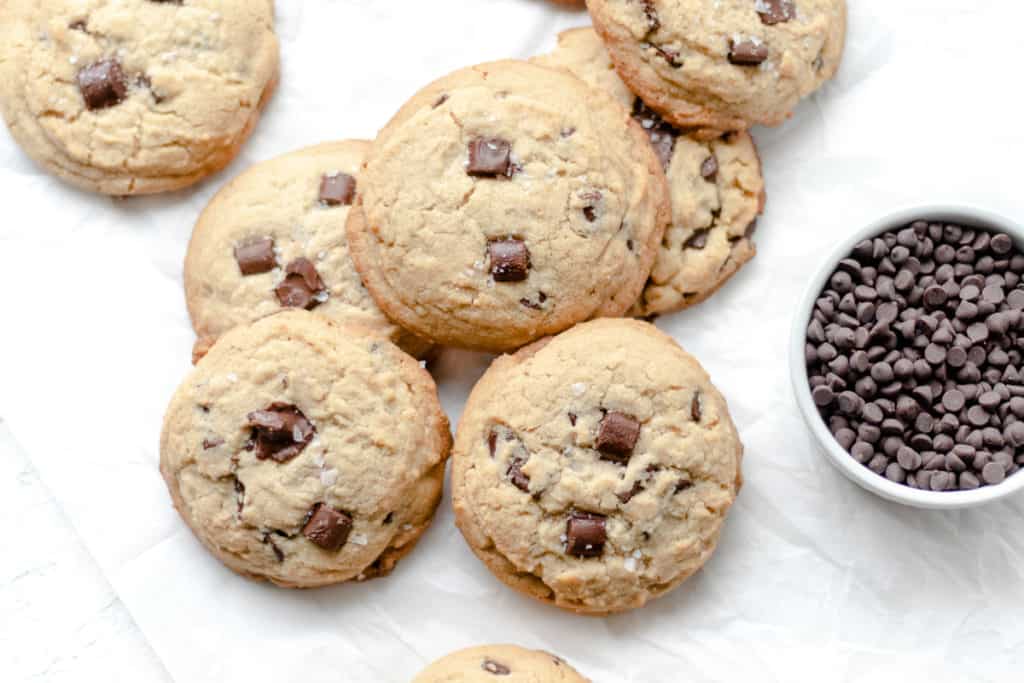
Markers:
<point>815,580</point>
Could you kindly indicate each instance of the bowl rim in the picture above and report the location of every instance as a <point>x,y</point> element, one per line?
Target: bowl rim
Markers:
<point>838,456</point>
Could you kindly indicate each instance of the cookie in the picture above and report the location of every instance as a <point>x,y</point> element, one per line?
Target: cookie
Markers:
<point>136,96</point>
<point>594,470</point>
<point>304,452</point>
<point>505,202</point>
<point>274,238</point>
<point>505,663</point>
<point>716,186</point>
<point>723,64</point>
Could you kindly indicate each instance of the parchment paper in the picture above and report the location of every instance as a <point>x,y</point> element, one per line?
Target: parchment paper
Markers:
<point>815,580</point>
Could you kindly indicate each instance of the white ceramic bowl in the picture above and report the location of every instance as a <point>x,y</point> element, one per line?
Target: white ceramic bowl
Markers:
<point>798,370</point>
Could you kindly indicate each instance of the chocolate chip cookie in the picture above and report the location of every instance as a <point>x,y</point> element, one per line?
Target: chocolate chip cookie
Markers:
<point>274,238</point>
<point>716,187</point>
<point>304,452</point>
<point>594,470</point>
<point>504,202</point>
<point>505,663</point>
<point>723,64</point>
<point>135,96</point>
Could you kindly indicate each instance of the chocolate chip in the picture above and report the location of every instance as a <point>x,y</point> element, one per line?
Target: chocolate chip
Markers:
<point>750,52</point>
<point>280,432</point>
<point>440,100</point>
<point>515,474</point>
<point>709,169</point>
<point>493,667</point>
<point>255,255</point>
<point>489,157</point>
<point>212,442</point>
<point>585,534</point>
<point>102,84</point>
<point>510,259</point>
<point>775,11</point>
<point>327,527</point>
<point>617,436</point>
<point>337,189</point>
<point>301,287</point>
<point>696,407</point>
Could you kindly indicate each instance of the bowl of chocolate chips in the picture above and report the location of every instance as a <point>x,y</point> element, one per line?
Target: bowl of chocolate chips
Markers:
<point>907,357</point>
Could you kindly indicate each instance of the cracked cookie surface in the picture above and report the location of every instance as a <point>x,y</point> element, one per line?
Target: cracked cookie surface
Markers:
<point>130,97</point>
<point>504,202</point>
<point>716,188</point>
<point>595,469</point>
<point>305,452</point>
<point>505,663</point>
<point>723,64</point>
<point>276,213</point>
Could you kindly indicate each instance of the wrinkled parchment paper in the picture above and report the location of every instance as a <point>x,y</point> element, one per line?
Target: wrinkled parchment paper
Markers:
<point>815,580</point>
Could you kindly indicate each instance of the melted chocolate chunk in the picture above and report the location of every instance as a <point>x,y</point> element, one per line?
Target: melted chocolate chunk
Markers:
<point>327,527</point>
<point>515,474</point>
<point>585,534</point>
<point>280,432</point>
<point>683,485</point>
<point>510,259</point>
<point>709,169</point>
<point>776,11</point>
<point>669,54</point>
<point>747,52</point>
<point>256,255</point>
<point>337,189</point>
<point>496,668</point>
<point>489,158</point>
<point>698,240</point>
<point>102,84</point>
<point>651,14</point>
<point>301,287</point>
<point>661,134</point>
<point>492,442</point>
<point>616,436</point>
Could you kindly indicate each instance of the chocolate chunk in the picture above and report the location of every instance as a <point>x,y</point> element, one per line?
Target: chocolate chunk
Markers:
<point>515,474</point>
<point>661,134</point>
<point>510,259</point>
<point>585,534</point>
<point>337,189</point>
<point>280,432</point>
<point>698,240</point>
<point>440,100</point>
<point>651,14</point>
<point>775,11</point>
<point>492,441</point>
<point>489,157</point>
<point>617,436</point>
<point>212,443</point>
<point>750,52</point>
<point>255,255</point>
<point>709,169</point>
<point>496,668</point>
<point>301,287</point>
<point>102,84</point>
<point>327,527</point>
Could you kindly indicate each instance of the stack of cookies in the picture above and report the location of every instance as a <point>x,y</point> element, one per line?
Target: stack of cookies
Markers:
<point>528,208</point>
